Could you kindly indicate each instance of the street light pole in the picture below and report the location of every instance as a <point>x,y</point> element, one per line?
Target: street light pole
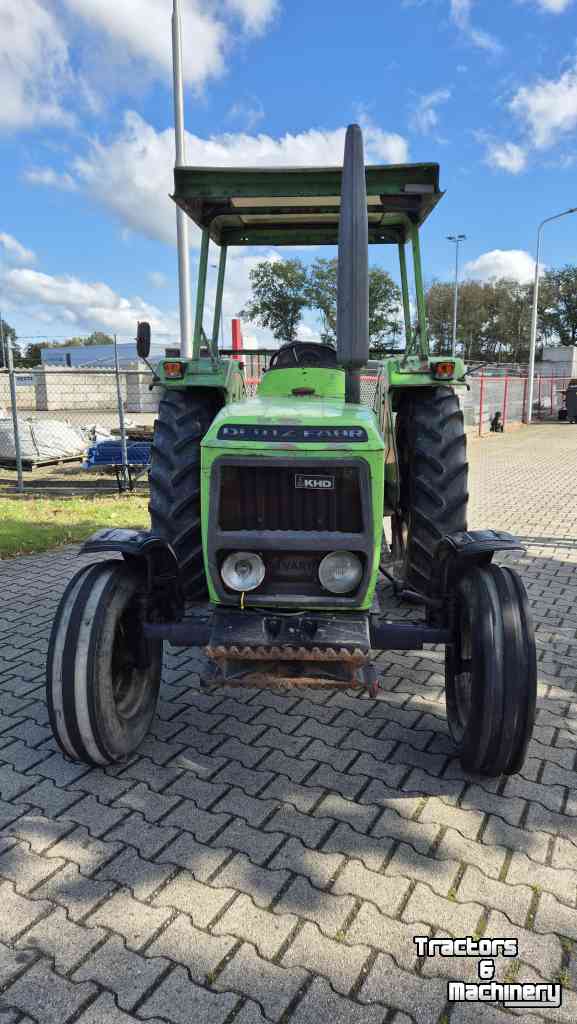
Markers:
<point>456,239</point>
<point>533,344</point>
<point>181,221</point>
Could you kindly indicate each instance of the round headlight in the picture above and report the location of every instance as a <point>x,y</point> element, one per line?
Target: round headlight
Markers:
<point>340,572</point>
<point>243,570</point>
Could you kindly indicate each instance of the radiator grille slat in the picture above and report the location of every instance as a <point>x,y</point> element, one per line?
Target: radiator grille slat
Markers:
<point>267,498</point>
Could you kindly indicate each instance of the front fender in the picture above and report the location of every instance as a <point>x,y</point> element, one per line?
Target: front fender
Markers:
<point>155,557</point>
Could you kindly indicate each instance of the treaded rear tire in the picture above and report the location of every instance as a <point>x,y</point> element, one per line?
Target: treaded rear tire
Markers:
<point>101,689</point>
<point>175,511</point>
<point>432,452</point>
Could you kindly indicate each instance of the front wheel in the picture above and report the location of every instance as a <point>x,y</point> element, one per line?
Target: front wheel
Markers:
<point>491,672</point>
<point>102,675</point>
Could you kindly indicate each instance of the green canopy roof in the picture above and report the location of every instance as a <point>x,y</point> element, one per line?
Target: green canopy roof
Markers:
<point>300,205</point>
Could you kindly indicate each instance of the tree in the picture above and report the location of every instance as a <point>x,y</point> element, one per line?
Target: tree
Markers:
<point>279,297</point>
<point>8,334</point>
<point>384,300</point>
<point>282,290</point>
<point>558,305</point>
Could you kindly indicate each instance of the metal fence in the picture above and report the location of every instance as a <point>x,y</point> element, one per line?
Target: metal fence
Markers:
<point>70,430</point>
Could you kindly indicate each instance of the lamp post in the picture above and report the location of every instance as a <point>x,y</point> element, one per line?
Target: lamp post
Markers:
<point>456,239</point>
<point>534,314</point>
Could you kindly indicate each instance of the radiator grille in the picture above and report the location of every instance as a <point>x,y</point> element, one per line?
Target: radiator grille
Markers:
<point>268,498</point>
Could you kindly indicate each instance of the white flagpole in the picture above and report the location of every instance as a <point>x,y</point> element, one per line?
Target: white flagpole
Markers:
<point>181,219</point>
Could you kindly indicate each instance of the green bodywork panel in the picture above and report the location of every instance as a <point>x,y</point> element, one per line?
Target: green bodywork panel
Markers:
<point>414,372</point>
<point>301,206</point>
<point>223,375</point>
<point>302,412</point>
<point>325,383</point>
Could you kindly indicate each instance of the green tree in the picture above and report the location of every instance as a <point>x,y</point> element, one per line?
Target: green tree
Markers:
<point>558,305</point>
<point>384,300</point>
<point>279,295</point>
<point>9,337</point>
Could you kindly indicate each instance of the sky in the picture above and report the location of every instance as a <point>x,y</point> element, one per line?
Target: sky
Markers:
<point>87,229</point>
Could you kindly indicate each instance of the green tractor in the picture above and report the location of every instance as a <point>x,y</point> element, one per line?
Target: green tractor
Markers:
<point>275,507</point>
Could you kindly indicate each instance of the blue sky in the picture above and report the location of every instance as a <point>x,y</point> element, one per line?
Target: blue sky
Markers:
<point>487,89</point>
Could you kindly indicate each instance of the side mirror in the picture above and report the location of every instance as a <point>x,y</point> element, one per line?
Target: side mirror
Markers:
<point>143,339</point>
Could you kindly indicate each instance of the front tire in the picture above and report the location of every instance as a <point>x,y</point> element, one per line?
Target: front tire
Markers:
<point>175,511</point>
<point>432,454</point>
<point>102,677</point>
<point>491,672</point>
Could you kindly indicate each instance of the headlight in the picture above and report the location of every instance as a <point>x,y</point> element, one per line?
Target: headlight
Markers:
<point>242,571</point>
<point>340,572</point>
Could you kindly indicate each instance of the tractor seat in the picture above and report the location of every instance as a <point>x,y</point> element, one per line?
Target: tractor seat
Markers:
<point>303,353</point>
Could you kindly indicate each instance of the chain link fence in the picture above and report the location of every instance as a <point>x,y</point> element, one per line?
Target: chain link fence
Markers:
<point>70,429</point>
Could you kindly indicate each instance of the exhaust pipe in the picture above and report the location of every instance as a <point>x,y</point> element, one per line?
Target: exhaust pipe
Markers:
<point>353,269</point>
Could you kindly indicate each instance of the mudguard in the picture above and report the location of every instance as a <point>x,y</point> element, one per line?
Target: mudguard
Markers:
<point>158,561</point>
<point>456,554</point>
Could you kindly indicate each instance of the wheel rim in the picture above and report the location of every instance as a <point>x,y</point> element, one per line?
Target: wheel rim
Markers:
<point>126,676</point>
<point>463,676</point>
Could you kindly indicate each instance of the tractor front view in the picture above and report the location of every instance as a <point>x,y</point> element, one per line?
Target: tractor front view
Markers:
<point>285,509</point>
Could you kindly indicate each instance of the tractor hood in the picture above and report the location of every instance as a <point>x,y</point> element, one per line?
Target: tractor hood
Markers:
<point>309,424</point>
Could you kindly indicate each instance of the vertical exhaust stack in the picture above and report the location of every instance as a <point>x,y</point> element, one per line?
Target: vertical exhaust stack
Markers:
<point>353,270</point>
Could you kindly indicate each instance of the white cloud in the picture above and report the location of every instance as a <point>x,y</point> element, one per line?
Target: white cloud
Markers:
<point>507,156</point>
<point>157,279</point>
<point>425,117</point>
<point>14,251</point>
<point>511,263</point>
<point>85,305</point>
<point>461,11</point>
<point>51,178</point>
<point>249,112</point>
<point>549,6</point>
<point>140,31</point>
<point>34,68</point>
<point>255,14</point>
<point>548,109</point>
<point>132,175</point>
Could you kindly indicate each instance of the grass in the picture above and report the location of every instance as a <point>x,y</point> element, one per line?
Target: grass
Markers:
<point>29,525</point>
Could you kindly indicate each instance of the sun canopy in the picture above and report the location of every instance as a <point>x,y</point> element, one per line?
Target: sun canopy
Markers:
<point>300,205</point>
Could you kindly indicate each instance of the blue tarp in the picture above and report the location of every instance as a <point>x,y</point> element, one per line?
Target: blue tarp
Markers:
<point>109,453</point>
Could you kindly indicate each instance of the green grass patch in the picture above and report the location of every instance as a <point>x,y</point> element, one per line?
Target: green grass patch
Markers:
<point>29,525</point>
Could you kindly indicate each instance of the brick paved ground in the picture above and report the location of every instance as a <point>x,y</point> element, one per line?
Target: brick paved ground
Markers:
<point>270,857</point>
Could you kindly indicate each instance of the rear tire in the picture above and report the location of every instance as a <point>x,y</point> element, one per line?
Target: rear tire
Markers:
<point>175,511</point>
<point>491,673</point>
<point>102,678</point>
<point>432,453</point>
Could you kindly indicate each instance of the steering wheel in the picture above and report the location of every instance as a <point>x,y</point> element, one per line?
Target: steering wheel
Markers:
<point>303,353</point>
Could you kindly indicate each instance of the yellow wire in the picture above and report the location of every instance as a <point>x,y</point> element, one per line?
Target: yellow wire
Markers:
<point>242,601</point>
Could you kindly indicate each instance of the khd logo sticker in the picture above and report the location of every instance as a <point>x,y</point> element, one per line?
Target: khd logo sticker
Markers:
<point>314,483</point>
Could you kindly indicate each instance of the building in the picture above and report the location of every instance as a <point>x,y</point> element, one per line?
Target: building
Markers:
<point>558,362</point>
<point>99,356</point>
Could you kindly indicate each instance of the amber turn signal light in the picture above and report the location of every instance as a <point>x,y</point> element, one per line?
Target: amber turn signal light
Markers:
<point>442,371</point>
<point>173,370</point>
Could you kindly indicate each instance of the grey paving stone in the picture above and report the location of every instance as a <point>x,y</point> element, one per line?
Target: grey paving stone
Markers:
<point>271,986</point>
<point>201,860</point>
<point>286,791</point>
<point>18,912</point>
<point>385,892</point>
<point>184,944</point>
<point>83,849</point>
<point>71,890</point>
<point>187,1001</point>
<point>127,974</point>
<point>422,998</point>
<point>370,850</point>
<point>105,1011</point>
<point>310,830</point>
<point>257,845</point>
<point>136,922</point>
<point>203,824</point>
<point>513,900</point>
<point>58,937</point>
<point>201,902</point>
<point>328,911</point>
<point>322,1004</point>
<point>261,884</point>
<point>25,868</point>
<point>341,964</point>
<point>252,809</point>
<point>317,866</point>
<point>141,876</point>
<point>386,934</point>
<point>149,804</point>
<point>348,784</point>
<point>47,996</point>
<point>236,774</point>
<point>262,929</point>
<point>96,817</point>
<point>202,793</point>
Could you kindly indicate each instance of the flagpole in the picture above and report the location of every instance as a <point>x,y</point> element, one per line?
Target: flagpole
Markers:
<point>181,219</point>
